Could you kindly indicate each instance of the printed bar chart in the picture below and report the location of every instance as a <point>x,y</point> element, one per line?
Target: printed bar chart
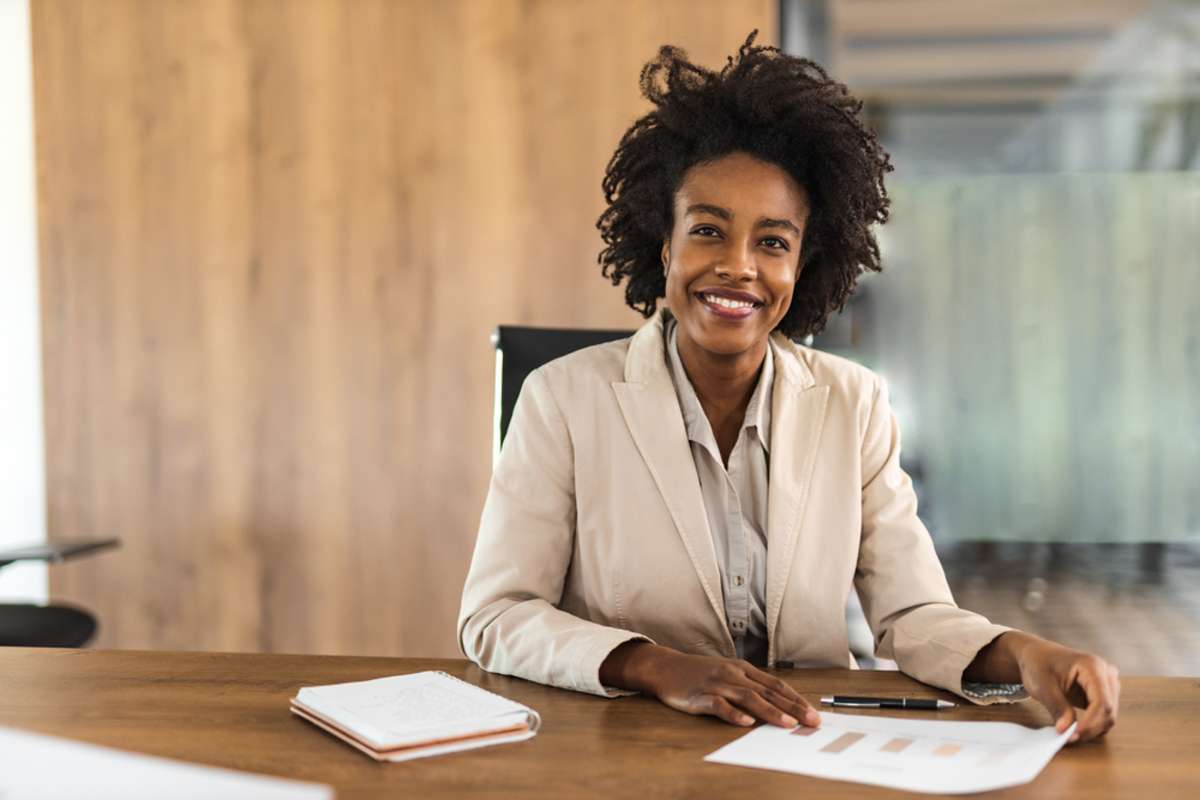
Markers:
<point>902,753</point>
<point>842,742</point>
<point>896,745</point>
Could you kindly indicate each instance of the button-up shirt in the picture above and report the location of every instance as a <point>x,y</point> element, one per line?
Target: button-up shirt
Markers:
<point>735,502</point>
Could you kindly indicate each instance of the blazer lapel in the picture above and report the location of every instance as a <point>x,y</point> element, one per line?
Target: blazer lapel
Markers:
<point>651,410</point>
<point>797,418</point>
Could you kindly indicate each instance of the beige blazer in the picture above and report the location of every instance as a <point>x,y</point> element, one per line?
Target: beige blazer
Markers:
<point>594,530</point>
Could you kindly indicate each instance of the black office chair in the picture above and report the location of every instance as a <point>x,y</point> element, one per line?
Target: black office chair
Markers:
<point>521,350</point>
<point>58,625</point>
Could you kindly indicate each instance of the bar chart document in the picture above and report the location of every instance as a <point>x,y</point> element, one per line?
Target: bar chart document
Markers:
<point>914,755</point>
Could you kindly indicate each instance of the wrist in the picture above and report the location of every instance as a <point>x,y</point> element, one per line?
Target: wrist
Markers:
<point>1002,659</point>
<point>1018,646</point>
<point>632,666</point>
<point>644,667</point>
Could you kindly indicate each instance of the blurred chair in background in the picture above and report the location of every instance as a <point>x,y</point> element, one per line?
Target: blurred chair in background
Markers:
<point>521,350</point>
<point>58,625</point>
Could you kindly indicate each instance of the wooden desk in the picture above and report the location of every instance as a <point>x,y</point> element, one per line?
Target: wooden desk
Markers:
<point>231,710</point>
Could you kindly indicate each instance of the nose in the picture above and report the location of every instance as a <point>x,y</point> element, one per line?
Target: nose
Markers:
<point>737,263</point>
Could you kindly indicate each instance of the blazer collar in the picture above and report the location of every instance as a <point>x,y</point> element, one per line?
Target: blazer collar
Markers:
<point>798,406</point>
<point>798,412</point>
<point>651,410</point>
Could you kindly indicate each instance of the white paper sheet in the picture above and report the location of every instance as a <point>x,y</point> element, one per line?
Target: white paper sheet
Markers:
<point>36,767</point>
<point>913,755</point>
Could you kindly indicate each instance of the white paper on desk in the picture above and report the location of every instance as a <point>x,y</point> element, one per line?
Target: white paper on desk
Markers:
<point>913,755</point>
<point>36,767</point>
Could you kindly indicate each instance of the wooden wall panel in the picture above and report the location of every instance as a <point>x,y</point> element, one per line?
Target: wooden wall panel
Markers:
<point>275,237</point>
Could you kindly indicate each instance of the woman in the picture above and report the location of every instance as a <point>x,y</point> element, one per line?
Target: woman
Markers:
<point>675,512</point>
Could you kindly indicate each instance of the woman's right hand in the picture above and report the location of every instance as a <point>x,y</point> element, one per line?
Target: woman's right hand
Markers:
<point>731,689</point>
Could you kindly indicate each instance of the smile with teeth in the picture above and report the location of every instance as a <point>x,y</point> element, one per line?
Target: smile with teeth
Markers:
<point>725,302</point>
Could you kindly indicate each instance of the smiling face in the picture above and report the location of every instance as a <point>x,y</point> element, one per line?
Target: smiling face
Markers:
<point>734,253</point>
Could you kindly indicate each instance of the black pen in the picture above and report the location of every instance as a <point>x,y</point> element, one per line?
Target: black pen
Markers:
<point>885,702</point>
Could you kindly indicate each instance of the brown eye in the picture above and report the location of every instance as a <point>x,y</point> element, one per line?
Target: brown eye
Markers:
<point>706,230</point>
<point>775,243</point>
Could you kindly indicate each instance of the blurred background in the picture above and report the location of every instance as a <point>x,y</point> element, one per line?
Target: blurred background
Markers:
<point>1038,318</point>
<point>255,250</point>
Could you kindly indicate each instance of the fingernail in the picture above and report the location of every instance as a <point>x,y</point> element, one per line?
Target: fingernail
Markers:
<point>789,722</point>
<point>812,718</point>
<point>746,720</point>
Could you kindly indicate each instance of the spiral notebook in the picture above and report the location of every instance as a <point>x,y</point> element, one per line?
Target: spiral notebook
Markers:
<point>412,716</point>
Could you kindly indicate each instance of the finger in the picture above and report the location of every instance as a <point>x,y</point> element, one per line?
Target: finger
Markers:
<point>800,709</point>
<point>1092,677</point>
<point>1056,703</point>
<point>772,682</point>
<point>780,694</point>
<point>1111,678</point>
<point>720,707</point>
<point>1114,682</point>
<point>749,700</point>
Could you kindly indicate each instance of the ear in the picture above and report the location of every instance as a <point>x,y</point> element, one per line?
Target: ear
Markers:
<point>665,254</point>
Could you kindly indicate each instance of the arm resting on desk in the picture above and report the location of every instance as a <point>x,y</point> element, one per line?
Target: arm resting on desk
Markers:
<point>509,621</point>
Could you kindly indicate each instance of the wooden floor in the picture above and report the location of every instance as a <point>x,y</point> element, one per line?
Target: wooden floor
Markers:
<point>1137,606</point>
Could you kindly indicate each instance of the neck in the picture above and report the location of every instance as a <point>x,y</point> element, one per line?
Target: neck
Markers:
<point>723,381</point>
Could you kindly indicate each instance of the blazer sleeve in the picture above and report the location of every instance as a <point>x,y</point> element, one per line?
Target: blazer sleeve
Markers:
<point>509,621</point>
<point>900,581</point>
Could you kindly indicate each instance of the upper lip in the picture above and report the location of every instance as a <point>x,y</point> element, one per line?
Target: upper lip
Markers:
<point>731,294</point>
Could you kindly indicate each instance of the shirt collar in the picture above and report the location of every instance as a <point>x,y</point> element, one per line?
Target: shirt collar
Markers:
<point>758,411</point>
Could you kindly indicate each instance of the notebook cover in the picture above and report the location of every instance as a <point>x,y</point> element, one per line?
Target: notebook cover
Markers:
<point>435,747</point>
<point>329,707</point>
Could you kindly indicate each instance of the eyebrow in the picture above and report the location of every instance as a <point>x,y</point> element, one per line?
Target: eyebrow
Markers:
<point>726,214</point>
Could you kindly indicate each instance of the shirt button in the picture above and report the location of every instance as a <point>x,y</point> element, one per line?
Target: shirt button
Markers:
<point>737,580</point>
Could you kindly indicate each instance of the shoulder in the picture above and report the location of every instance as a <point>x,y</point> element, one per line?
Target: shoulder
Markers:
<point>856,397</point>
<point>846,379</point>
<point>843,375</point>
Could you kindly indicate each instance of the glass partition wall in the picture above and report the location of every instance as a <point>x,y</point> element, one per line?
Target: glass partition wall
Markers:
<point>1038,318</point>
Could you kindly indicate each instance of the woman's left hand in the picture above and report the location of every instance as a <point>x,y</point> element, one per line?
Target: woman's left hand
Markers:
<point>1074,686</point>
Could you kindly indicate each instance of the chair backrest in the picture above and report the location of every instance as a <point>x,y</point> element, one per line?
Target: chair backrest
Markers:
<point>521,350</point>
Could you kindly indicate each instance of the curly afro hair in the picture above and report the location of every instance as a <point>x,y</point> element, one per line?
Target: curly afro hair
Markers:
<point>781,109</point>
